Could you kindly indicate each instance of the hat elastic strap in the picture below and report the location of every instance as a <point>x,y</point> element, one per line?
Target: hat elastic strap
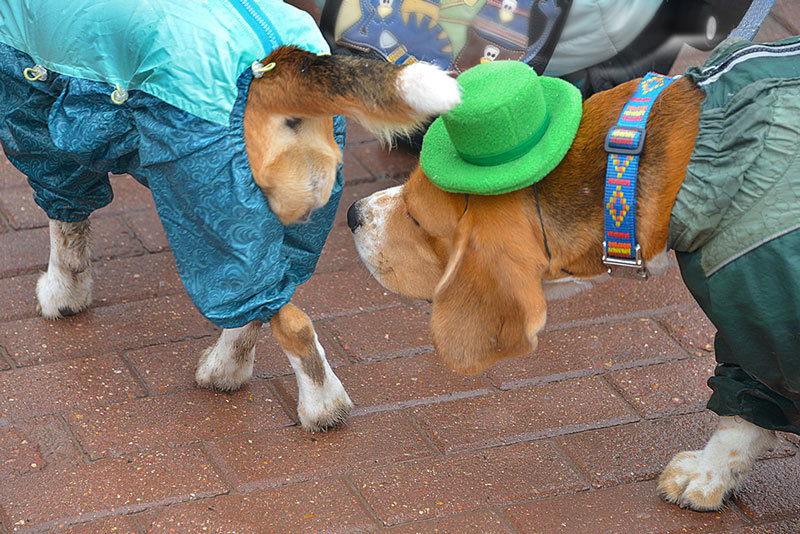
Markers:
<point>515,152</point>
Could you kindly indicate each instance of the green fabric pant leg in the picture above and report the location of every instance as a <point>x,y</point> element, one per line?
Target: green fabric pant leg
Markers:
<point>754,302</point>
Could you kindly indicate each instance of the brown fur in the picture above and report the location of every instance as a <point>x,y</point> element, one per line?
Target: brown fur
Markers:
<point>294,161</point>
<point>305,84</point>
<point>75,239</point>
<point>243,346</point>
<point>491,304</point>
<point>572,195</point>
<point>294,332</point>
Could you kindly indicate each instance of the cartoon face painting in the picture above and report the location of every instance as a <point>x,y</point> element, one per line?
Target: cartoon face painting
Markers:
<point>490,53</point>
<point>507,11</point>
<point>384,8</point>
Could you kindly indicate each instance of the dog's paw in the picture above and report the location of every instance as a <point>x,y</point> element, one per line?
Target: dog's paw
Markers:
<point>219,371</point>
<point>62,295</point>
<point>691,482</point>
<point>322,407</point>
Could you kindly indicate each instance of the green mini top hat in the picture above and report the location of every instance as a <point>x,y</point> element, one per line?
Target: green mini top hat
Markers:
<point>511,128</point>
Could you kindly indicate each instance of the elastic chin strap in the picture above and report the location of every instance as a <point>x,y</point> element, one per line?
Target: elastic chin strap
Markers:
<point>544,234</point>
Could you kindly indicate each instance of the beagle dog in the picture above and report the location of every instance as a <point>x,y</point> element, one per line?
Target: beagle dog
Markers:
<point>489,263</point>
<point>290,152</point>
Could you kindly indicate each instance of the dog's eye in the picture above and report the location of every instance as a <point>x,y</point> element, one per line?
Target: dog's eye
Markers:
<point>293,122</point>
<point>412,218</point>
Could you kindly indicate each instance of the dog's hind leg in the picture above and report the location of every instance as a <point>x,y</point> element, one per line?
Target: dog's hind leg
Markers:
<point>66,287</point>
<point>701,480</point>
<point>322,401</point>
<point>228,364</point>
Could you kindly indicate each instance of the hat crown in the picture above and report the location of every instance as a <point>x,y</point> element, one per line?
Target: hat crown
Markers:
<point>502,107</point>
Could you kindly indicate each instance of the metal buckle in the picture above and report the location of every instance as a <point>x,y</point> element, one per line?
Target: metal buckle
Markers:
<point>641,269</point>
<point>622,150</point>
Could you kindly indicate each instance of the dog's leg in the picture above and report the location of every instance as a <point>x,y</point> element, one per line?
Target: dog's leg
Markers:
<point>701,480</point>
<point>228,364</point>
<point>66,287</point>
<point>322,402</point>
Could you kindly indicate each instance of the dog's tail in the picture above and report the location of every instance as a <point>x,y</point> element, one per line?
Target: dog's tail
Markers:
<point>387,99</point>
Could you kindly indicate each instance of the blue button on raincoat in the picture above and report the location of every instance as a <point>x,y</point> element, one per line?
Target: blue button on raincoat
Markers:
<point>186,69</point>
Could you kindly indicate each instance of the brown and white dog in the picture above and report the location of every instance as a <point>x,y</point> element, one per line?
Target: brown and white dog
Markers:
<point>482,261</point>
<point>288,129</point>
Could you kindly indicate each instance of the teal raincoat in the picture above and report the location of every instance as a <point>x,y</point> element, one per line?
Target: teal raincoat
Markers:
<point>179,73</point>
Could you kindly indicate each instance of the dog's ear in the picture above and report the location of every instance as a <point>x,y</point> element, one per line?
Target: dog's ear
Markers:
<point>387,99</point>
<point>489,303</point>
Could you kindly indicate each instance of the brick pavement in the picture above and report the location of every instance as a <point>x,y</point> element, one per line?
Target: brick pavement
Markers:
<point>102,429</point>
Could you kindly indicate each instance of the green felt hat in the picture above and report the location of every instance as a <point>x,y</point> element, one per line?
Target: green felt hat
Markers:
<point>511,128</point>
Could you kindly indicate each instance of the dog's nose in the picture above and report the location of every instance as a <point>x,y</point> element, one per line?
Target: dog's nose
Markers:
<point>353,219</point>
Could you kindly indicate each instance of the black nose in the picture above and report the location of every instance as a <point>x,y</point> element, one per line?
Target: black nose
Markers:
<point>353,220</point>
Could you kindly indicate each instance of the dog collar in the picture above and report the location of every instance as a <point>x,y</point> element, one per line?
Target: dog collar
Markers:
<point>624,144</point>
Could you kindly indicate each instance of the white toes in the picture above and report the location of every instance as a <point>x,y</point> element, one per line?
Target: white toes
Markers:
<point>218,371</point>
<point>62,294</point>
<point>322,401</point>
<point>689,482</point>
<point>702,480</point>
<point>321,408</point>
<point>228,365</point>
<point>677,474</point>
<point>66,287</point>
<point>428,89</point>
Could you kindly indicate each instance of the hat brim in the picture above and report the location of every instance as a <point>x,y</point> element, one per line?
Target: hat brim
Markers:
<point>444,167</point>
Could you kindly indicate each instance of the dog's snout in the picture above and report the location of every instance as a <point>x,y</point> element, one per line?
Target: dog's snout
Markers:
<point>353,217</point>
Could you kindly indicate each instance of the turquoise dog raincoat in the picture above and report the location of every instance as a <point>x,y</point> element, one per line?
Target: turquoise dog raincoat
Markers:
<point>157,89</point>
<point>736,227</point>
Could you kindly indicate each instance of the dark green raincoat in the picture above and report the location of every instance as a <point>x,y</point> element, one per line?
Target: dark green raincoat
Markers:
<point>736,227</point>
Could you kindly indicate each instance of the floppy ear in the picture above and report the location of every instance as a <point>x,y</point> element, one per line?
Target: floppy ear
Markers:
<point>385,98</point>
<point>489,304</point>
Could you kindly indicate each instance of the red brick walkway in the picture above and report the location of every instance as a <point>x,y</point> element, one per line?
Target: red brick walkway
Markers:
<point>103,430</point>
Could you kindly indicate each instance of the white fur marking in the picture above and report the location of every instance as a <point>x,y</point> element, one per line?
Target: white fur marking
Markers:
<point>428,89</point>
<point>319,406</point>
<point>701,480</point>
<point>66,287</point>
<point>219,368</point>
<point>569,286</point>
<point>658,264</point>
<point>369,236</point>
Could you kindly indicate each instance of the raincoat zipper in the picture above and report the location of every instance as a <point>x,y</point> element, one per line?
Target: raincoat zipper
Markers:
<point>258,21</point>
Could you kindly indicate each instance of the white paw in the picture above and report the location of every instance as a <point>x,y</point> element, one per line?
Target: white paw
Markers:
<point>217,369</point>
<point>322,403</point>
<point>61,294</point>
<point>691,482</point>
<point>428,89</point>
<point>325,407</point>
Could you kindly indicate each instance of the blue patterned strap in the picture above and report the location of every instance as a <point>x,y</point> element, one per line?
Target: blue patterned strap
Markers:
<point>624,143</point>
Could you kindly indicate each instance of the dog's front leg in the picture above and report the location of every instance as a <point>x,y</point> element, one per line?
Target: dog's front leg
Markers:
<point>322,401</point>
<point>66,287</point>
<point>701,480</point>
<point>228,364</point>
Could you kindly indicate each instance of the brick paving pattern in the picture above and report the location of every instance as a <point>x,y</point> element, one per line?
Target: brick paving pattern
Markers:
<point>103,430</point>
